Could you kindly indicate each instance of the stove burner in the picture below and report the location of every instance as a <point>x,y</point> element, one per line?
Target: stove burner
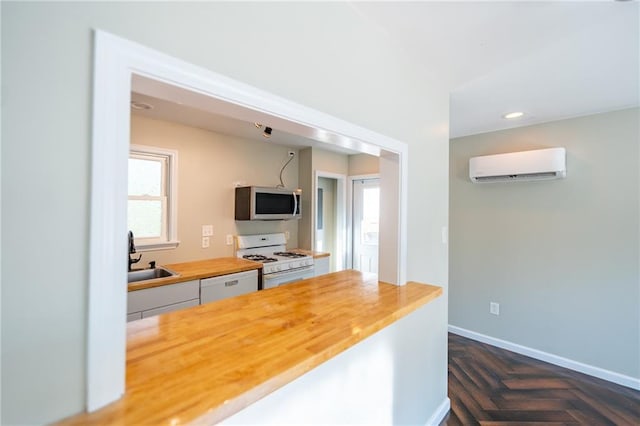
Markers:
<point>259,258</point>
<point>289,254</point>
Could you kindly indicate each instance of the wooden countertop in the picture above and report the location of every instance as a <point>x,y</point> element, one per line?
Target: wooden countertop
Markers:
<point>198,269</point>
<point>314,254</point>
<point>203,364</point>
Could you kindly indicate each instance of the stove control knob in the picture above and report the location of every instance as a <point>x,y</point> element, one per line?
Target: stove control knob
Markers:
<point>277,268</point>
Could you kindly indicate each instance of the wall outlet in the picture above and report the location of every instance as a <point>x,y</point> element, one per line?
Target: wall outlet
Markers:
<point>494,308</point>
<point>286,235</point>
<point>207,230</point>
<point>205,242</point>
<point>229,239</point>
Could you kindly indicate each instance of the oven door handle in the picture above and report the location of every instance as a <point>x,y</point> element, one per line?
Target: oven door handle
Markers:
<point>287,272</point>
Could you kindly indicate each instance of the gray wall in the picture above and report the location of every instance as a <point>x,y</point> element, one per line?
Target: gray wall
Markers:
<point>561,256</point>
<point>303,52</point>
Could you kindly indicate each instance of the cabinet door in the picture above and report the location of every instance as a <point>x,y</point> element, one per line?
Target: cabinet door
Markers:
<point>321,266</point>
<point>170,308</point>
<point>151,298</point>
<point>217,288</point>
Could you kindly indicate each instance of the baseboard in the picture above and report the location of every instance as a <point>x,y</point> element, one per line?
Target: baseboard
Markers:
<point>610,376</point>
<point>439,415</point>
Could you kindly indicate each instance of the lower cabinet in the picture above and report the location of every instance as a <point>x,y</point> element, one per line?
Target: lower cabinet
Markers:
<point>159,300</point>
<point>321,265</point>
<point>224,286</point>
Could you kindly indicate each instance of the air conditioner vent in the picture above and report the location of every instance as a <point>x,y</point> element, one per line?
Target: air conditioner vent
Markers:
<point>541,164</point>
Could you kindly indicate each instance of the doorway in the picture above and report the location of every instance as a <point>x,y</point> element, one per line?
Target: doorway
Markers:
<point>366,224</point>
<point>330,218</point>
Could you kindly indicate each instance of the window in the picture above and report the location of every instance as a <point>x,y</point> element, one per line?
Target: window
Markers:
<point>152,203</point>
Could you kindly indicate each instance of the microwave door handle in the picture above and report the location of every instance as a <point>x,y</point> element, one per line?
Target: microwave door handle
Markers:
<point>295,204</point>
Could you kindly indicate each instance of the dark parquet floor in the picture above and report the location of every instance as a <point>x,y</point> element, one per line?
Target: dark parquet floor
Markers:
<point>491,386</point>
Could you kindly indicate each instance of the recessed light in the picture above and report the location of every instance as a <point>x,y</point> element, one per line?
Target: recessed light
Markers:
<point>267,132</point>
<point>140,105</point>
<point>512,115</point>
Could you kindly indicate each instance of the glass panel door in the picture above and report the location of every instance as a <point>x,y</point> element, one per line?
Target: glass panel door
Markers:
<point>366,214</point>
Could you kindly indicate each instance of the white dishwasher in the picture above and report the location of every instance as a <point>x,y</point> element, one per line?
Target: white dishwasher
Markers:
<point>224,286</point>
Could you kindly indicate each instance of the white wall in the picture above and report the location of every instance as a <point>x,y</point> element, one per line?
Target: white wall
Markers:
<point>561,256</point>
<point>363,164</point>
<point>289,49</point>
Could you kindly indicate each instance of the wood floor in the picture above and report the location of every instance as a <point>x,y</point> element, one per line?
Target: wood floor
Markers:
<point>492,386</point>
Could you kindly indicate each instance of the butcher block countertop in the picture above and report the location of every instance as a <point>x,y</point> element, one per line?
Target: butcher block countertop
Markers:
<point>203,364</point>
<point>198,269</point>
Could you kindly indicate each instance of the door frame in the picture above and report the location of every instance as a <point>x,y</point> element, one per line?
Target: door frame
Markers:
<point>349,229</point>
<point>116,62</point>
<point>341,215</point>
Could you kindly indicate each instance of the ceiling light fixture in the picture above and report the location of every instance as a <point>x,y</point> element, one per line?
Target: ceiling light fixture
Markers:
<point>512,115</point>
<point>267,132</point>
<point>140,105</point>
<point>258,125</point>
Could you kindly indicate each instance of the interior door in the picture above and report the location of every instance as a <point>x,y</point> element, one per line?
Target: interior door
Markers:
<point>366,214</point>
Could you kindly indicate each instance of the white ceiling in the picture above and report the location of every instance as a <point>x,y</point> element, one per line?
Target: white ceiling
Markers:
<point>551,60</point>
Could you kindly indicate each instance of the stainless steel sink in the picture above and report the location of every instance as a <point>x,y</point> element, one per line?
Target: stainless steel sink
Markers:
<point>149,274</point>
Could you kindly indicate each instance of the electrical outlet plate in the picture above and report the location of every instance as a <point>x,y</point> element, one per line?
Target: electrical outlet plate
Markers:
<point>205,242</point>
<point>229,239</point>
<point>207,230</point>
<point>494,308</point>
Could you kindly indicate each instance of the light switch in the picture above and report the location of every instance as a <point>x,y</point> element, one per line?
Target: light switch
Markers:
<point>207,230</point>
<point>229,239</point>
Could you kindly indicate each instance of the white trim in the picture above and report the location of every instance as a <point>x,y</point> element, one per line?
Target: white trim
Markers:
<point>166,245</point>
<point>116,63</point>
<point>610,376</point>
<point>341,213</point>
<point>441,412</point>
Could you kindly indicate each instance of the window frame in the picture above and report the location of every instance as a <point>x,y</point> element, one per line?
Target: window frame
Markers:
<point>169,233</point>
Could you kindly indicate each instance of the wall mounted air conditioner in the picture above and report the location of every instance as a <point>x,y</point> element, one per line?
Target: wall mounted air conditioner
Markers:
<point>540,164</point>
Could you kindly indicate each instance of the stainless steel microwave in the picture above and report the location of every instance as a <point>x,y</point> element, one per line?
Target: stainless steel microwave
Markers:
<point>262,203</point>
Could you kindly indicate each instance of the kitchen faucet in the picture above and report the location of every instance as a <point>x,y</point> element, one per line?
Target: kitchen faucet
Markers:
<point>132,250</point>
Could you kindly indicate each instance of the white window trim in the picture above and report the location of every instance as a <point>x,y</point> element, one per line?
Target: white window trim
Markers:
<point>172,199</point>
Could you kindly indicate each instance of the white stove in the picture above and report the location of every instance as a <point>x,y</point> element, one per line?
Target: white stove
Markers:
<point>279,265</point>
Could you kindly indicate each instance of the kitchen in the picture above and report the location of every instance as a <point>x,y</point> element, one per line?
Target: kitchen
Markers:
<point>210,164</point>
